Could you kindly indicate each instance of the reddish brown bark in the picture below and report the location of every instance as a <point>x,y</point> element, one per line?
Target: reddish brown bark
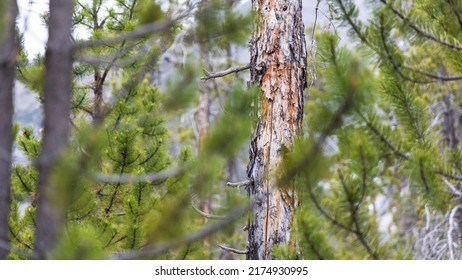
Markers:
<point>278,66</point>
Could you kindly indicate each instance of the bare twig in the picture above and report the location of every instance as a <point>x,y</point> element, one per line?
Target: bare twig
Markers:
<point>427,217</point>
<point>452,187</point>
<point>233,250</point>
<point>212,75</point>
<point>451,229</point>
<point>313,49</point>
<point>245,183</point>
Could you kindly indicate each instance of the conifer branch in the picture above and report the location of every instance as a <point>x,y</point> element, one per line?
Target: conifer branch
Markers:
<point>206,215</point>
<point>324,212</point>
<point>21,180</point>
<point>422,176</point>
<point>354,208</point>
<point>354,26</point>
<point>114,59</point>
<point>138,178</point>
<point>447,175</point>
<point>382,137</point>
<point>233,250</point>
<point>141,31</point>
<point>418,30</point>
<point>212,75</point>
<point>117,186</point>
<point>16,237</point>
<point>393,62</point>
<point>7,247</point>
<point>312,243</point>
<point>435,77</point>
<point>154,250</point>
<point>456,10</point>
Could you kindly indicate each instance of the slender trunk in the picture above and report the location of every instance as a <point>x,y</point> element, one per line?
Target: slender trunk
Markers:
<point>51,209</point>
<point>98,115</point>
<point>203,116</point>
<point>8,52</point>
<point>203,123</point>
<point>278,66</point>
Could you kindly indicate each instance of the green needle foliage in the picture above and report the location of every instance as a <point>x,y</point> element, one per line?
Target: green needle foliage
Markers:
<point>120,138</point>
<point>377,169</point>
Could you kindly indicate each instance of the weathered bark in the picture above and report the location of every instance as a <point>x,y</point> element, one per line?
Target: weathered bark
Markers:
<point>51,211</point>
<point>278,66</point>
<point>8,52</point>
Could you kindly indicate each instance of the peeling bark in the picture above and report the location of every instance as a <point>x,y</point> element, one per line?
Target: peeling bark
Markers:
<point>51,208</point>
<point>8,53</point>
<point>278,66</point>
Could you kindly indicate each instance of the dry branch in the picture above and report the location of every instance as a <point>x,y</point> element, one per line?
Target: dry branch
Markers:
<point>212,75</point>
<point>233,250</point>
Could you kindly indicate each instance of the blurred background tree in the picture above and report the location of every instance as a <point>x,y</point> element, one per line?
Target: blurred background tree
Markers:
<point>121,190</point>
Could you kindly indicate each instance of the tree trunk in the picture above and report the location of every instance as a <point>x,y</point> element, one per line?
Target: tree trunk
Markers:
<point>8,53</point>
<point>51,210</point>
<point>278,66</point>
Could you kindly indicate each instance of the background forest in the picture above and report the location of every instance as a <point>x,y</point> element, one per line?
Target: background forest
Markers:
<point>149,119</point>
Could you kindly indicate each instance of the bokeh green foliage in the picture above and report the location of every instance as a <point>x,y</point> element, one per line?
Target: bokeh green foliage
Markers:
<point>336,162</point>
<point>219,24</point>
<point>109,216</point>
<point>384,153</point>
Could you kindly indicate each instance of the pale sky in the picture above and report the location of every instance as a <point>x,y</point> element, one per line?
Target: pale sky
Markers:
<point>35,33</point>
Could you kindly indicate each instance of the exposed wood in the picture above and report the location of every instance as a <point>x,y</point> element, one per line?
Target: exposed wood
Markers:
<point>278,65</point>
<point>8,53</point>
<point>51,209</point>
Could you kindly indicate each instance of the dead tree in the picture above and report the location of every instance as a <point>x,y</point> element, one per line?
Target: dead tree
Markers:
<point>278,66</point>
